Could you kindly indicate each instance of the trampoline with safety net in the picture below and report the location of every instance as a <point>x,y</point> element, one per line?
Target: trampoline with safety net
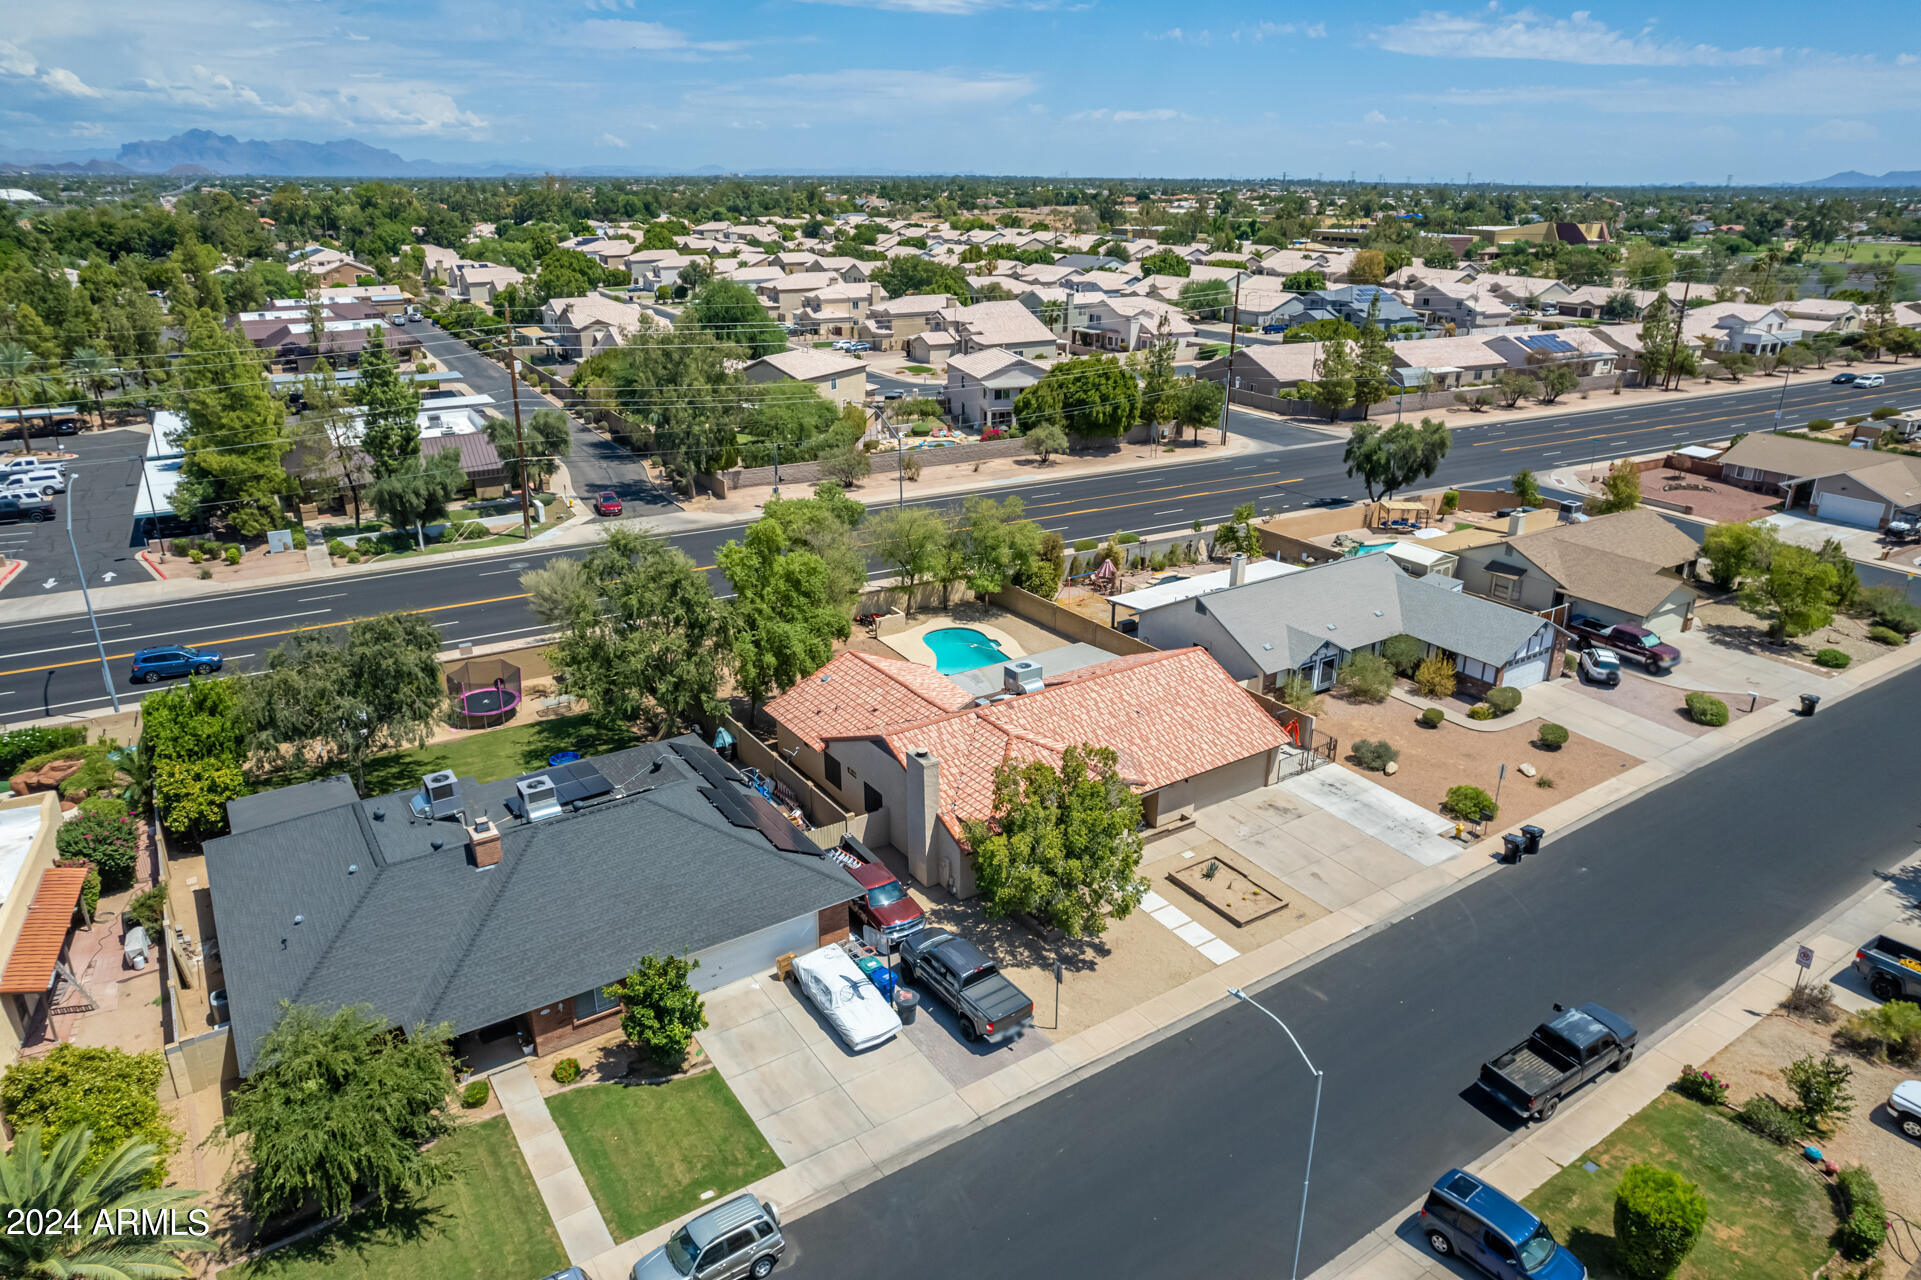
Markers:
<point>485,692</point>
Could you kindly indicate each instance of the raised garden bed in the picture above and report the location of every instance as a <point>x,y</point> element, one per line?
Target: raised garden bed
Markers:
<point>1229,890</point>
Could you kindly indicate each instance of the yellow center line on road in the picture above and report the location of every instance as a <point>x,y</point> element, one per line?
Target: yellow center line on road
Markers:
<point>1199,493</point>
<point>1159,488</point>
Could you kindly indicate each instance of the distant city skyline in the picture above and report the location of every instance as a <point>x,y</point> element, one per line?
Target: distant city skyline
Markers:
<point>1547,95</point>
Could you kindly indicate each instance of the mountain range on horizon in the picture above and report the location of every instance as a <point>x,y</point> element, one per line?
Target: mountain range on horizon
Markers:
<point>202,152</point>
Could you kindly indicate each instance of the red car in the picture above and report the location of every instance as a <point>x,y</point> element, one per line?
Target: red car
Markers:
<point>607,504</point>
<point>886,907</point>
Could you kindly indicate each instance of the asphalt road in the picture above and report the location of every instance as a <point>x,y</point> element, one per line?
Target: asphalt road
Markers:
<point>1186,1158</point>
<point>104,476</point>
<point>47,669</point>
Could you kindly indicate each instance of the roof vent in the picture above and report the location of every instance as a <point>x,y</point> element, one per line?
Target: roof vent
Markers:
<point>538,797</point>
<point>353,868</point>
<point>1023,675</point>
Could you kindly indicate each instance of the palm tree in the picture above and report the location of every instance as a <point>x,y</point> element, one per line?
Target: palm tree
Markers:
<point>45,1183</point>
<point>18,382</point>
<point>95,371</point>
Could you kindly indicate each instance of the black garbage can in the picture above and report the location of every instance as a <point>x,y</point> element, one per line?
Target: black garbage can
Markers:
<point>1531,835</point>
<point>1809,701</point>
<point>1511,847</point>
<point>907,1004</point>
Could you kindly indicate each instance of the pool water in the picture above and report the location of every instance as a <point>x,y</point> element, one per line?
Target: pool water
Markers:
<point>962,649</point>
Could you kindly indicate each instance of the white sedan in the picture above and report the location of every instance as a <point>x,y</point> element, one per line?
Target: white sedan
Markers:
<point>860,1014</point>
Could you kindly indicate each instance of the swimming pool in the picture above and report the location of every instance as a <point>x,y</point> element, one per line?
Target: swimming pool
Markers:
<point>962,649</point>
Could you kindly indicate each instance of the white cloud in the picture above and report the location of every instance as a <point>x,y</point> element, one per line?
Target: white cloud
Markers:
<point>1578,38</point>
<point>859,92</point>
<point>613,140</point>
<point>1202,37</point>
<point>1261,31</point>
<point>1129,116</point>
<point>63,81</point>
<point>623,34</point>
<point>17,63</point>
<point>355,35</point>
<point>949,8</point>
<point>1373,117</point>
<point>1904,60</point>
<point>388,106</point>
<point>1798,91</point>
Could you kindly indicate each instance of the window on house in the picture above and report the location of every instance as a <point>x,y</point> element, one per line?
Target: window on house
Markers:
<point>833,771</point>
<point>1499,588</point>
<point>592,1001</point>
<point>833,384</point>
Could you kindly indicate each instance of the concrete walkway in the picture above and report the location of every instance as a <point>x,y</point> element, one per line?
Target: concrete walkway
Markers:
<point>583,1232</point>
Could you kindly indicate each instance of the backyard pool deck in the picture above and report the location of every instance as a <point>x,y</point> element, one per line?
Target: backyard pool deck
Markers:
<point>1016,637</point>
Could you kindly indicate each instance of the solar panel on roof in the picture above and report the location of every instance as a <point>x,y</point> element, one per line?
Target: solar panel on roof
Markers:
<point>1547,342</point>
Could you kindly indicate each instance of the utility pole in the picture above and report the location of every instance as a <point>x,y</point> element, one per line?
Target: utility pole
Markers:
<point>520,442</point>
<point>1233,332</point>
<point>106,675</point>
<point>900,459</point>
<point>1674,347</point>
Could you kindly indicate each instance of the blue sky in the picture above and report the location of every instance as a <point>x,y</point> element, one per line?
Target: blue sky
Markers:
<point>1764,90</point>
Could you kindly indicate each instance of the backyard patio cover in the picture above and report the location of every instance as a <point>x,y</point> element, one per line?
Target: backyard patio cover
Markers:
<point>43,933</point>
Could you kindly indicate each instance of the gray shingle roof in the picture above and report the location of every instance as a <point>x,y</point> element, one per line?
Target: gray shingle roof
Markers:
<point>424,936</point>
<point>1281,622</point>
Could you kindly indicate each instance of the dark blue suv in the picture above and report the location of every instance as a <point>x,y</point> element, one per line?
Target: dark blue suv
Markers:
<point>1467,1219</point>
<point>173,660</point>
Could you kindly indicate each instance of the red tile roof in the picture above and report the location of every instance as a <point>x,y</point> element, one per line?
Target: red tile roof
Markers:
<point>858,693</point>
<point>43,933</point>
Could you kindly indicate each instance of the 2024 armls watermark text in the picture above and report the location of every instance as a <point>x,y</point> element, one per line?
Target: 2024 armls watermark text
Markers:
<point>143,1224</point>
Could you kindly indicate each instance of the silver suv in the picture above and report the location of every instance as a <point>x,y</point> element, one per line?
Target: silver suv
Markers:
<point>739,1238</point>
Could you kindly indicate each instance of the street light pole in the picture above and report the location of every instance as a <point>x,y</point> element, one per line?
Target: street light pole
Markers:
<point>1780,406</point>
<point>1313,1128</point>
<point>106,675</point>
<point>1233,332</point>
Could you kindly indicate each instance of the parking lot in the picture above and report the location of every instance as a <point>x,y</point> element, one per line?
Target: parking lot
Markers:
<point>102,477</point>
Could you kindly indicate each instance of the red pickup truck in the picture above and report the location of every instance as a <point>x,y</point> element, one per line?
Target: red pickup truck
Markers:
<point>886,907</point>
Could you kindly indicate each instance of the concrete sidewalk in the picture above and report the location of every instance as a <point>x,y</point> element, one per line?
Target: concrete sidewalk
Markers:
<point>583,1233</point>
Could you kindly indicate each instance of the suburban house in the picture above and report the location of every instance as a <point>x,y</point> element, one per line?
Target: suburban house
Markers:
<point>437,263</point>
<point>661,270</point>
<point>1823,315</point>
<point>1577,349</point>
<point>1264,375</point>
<point>1350,303</point>
<point>1526,291</point>
<point>915,751</point>
<point>1467,306</point>
<point>1631,567</point>
<point>1756,328</point>
<point>1005,325</point>
<point>1587,301</point>
<point>503,908</point>
<point>786,296</point>
<point>38,902</point>
<point>1311,621</point>
<point>1451,363</point>
<point>982,386</point>
<point>330,266</point>
<point>478,282</point>
<point>888,325</point>
<point>837,309</point>
<point>1861,487</point>
<point>581,326</point>
<point>1125,324</point>
<point>837,376</point>
<point>1262,303</point>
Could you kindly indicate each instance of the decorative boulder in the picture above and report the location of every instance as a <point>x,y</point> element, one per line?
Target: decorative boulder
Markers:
<point>1527,771</point>
<point>47,777</point>
<point>1393,767</point>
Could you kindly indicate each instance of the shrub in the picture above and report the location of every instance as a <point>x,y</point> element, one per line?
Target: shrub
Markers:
<point>1891,1030</point>
<point>1544,782</point>
<point>178,546</point>
<point>106,806</point>
<point>1086,544</point>
<point>90,892</point>
<point>1887,607</point>
<point>206,574</point>
<point>110,1091</point>
<point>660,1010</point>
<point>1770,1120</point>
<point>1831,658</point>
<point>1367,676</point>
<point>1885,411</point>
<point>1373,755</point>
<point>474,1094</point>
<point>1886,635</point>
<point>1480,711</point>
<point>1570,663</point>
<point>1820,424</point>
<point>335,547</point>
<point>17,746</point>
<point>566,1071</point>
<point>1297,691</point>
<point>1864,1215</point>
<point>1820,1088</point>
<point>1435,677</point>
<point>1432,717</point>
<point>1658,1215</point>
<point>353,557</point>
<point>1702,1086</point>
<point>196,555</point>
<point>299,539</point>
<point>1814,1001</point>
<point>1403,653</point>
<point>1502,699</point>
<point>1553,736</point>
<point>1469,802</point>
<point>1450,500</point>
<point>1126,539</point>
<point>147,909</point>
<point>110,844</point>
<point>1705,708</point>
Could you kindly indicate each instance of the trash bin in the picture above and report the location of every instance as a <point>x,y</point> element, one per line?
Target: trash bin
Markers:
<point>883,980</point>
<point>1511,847</point>
<point>1531,835</point>
<point>1809,701</point>
<point>907,1004</point>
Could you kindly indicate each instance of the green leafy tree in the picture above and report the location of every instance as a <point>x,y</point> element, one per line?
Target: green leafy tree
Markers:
<point>390,412</point>
<point>1512,384</point>
<point>93,369</point>
<point>1620,490</point>
<point>1390,458</point>
<point>1821,1090</point>
<point>999,545</point>
<point>326,443</point>
<point>1368,266</point>
<point>1795,592</point>
<point>1194,404</point>
<point>911,276</point>
<point>1332,387</point>
<point>824,525</point>
<point>1556,381</point>
<point>236,432</point>
<point>783,619</point>
<point>193,739</point>
<point>1527,492</point>
<point>1658,1215</point>
<point>1373,362</point>
<point>20,382</point>
<point>338,1107</point>
<point>1158,375</point>
<point>1165,262</point>
<point>1090,396</point>
<point>71,1180</point>
<point>112,1094</point>
<point>548,438</point>
<point>845,464</point>
<point>660,1010</point>
<point>1304,282</point>
<point>325,701</point>
<point>1063,844</point>
<point>1208,298</point>
<point>420,492</point>
<point>640,631</point>
<point>1046,440</point>
<point>682,385</point>
<point>1403,652</point>
<point>1737,551</point>
<point>732,312</point>
<point>911,542</point>
<point>788,412</point>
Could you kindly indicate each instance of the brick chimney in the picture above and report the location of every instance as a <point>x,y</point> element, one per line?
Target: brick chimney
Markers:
<point>483,839</point>
<point>913,828</point>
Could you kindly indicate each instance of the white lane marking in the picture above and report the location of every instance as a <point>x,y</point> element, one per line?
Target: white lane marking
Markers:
<point>1249,467</point>
<point>1051,493</point>
<point>338,595</point>
<point>87,631</point>
<point>1171,511</point>
<point>29,653</point>
<point>1550,453</point>
<point>495,573</point>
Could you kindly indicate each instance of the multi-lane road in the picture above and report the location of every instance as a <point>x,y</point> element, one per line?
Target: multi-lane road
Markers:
<point>48,667</point>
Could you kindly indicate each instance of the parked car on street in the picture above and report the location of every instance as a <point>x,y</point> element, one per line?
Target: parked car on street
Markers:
<point>860,1015</point>
<point>1465,1218</point>
<point>1844,378</point>
<point>1891,968</point>
<point>1273,328</point>
<point>1601,666</point>
<point>1871,380</point>
<point>1630,643</point>
<point>18,464</point>
<point>19,484</point>
<point>14,510</point>
<point>1563,1054</point>
<point>1904,1105</point>
<point>887,908</point>
<point>857,347</point>
<point>991,1007</point>
<point>607,504</point>
<point>739,1237</point>
<point>149,665</point>
<point>843,344</point>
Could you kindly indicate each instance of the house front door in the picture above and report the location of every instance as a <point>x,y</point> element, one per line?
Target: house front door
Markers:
<point>1324,667</point>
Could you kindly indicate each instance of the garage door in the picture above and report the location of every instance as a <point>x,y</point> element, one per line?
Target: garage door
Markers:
<point>1522,674</point>
<point>1855,511</point>
<point>745,957</point>
<point>1670,617</point>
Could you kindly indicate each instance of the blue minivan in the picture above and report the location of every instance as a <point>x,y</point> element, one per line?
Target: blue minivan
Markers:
<point>1467,1219</point>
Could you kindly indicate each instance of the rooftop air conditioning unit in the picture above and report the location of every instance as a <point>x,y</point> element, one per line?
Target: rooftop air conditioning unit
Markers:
<point>538,797</point>
<point>1023,675</point>
<point>442,791</point>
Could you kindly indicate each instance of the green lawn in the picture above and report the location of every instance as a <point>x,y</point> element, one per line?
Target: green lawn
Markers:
<point>495,754</point>
<point>648,1152</point>
<point>1767,1216</point>
<point>1863,254</point>
<point>917,368</point>
<point>488,1220</point>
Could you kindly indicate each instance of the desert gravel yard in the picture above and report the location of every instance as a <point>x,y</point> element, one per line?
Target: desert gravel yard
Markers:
<point>1730,624</point>
<point>1663,703</point>
<point>1432,760</point>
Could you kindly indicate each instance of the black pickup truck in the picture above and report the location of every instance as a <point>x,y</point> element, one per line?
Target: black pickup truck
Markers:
<point>991,1008</point>
<point>1891,968</point>
<point>1563,1054</point>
